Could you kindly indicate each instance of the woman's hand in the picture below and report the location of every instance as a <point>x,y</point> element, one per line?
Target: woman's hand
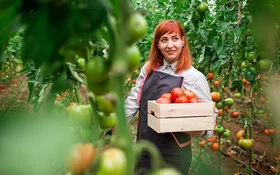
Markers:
<point>196,133</point>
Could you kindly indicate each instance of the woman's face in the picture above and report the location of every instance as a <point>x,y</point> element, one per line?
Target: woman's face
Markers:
<point>170,45</point>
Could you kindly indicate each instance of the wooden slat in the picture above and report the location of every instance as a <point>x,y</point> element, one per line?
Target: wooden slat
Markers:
<point>203,108</point>
<point>162,125</point>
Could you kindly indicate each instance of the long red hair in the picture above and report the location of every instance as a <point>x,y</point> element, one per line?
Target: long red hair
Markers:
<point>156,57</point>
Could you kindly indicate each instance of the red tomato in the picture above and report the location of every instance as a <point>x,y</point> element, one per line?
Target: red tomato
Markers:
<point>210,76</point>
<point>190,94</point>
<point>175,93</point>
<point>193,100</point>
<point>162,101</point>
<point>215,146</point>
<point>167,96</point>
<point>182,99</point>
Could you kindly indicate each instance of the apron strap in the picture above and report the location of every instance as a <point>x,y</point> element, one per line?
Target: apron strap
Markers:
<point>141,85</point>
<point>140,89</point>
<point>181,145</point>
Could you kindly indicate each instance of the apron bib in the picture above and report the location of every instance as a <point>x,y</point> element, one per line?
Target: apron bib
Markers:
<point>180,157</point>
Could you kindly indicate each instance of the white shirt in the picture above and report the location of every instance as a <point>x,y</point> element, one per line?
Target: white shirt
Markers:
<point>193,80</point>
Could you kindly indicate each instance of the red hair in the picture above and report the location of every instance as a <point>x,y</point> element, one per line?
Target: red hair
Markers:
<point>156,57</point>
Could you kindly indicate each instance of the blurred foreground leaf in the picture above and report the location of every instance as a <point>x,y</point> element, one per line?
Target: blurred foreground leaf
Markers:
<point>33,144</point>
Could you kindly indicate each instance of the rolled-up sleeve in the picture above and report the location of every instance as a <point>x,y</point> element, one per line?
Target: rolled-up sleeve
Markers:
<point>131,103</point>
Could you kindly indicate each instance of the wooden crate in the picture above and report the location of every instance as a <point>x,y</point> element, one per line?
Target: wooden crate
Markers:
<point>179,117</point>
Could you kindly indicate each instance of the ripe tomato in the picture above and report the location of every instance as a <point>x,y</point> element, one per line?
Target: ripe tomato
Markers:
<point>80,158</point>
<point>240,134</point>
<point>216,96</point>
<point>163,101</point>
<point>166,171</point>
<point>220,112</point>
<point>133,57</point>
<point>189,94</point>
<point>215,146</point>
<point>181,99</point>
<point>266,132</point>
<point>175,93</point>
<point>210,76</point>
<point>273,169</point>
<point>214,138</point>
<point>245,143</point>
<point>216,83</point>
<point>136,27</point>
<point>244,81</point>
<point>107,121</point>
<point>209,139</point>
<point>193,100</point>
<point>234,114</point>
<point>167,96</point>
<point>112,161</point>
<point>202,143</point>
<point>80,115</point>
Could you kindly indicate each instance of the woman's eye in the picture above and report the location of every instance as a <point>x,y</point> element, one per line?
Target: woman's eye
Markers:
<point>164,40</point>
<point>175,39</point>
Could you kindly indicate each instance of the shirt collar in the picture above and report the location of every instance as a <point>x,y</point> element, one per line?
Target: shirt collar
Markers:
<point>173,65</point>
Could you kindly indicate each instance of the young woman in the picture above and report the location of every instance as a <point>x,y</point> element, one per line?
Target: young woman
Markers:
<point>169,66</point>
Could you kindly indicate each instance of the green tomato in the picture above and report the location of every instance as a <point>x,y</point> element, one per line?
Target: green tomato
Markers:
<point>81,115</point>
<point>137,27</point>
<point>81,63</point>
<point>112,161</point>
<point>219,105</point>
<point>237,95</point>
<point>166,171</point>
<point>264,64</point>
<point>219,129</point>
<point>133,57</point>
<point>251,56</point>
<point>107,121</point>
<point>226,133</point>
<point>104,105</point>
<point>245,143</point>
<point>96,70</point>
<point>202,7</point>
<point>229,102</point>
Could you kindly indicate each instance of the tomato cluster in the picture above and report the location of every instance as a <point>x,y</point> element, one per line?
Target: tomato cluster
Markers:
<point>244,142</point>
<point>178,95</point>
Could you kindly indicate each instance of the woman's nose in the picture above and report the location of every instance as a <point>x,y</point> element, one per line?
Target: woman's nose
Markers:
<point>169,44</point>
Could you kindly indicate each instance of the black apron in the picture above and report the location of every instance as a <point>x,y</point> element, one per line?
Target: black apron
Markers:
<point>154,86</point>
